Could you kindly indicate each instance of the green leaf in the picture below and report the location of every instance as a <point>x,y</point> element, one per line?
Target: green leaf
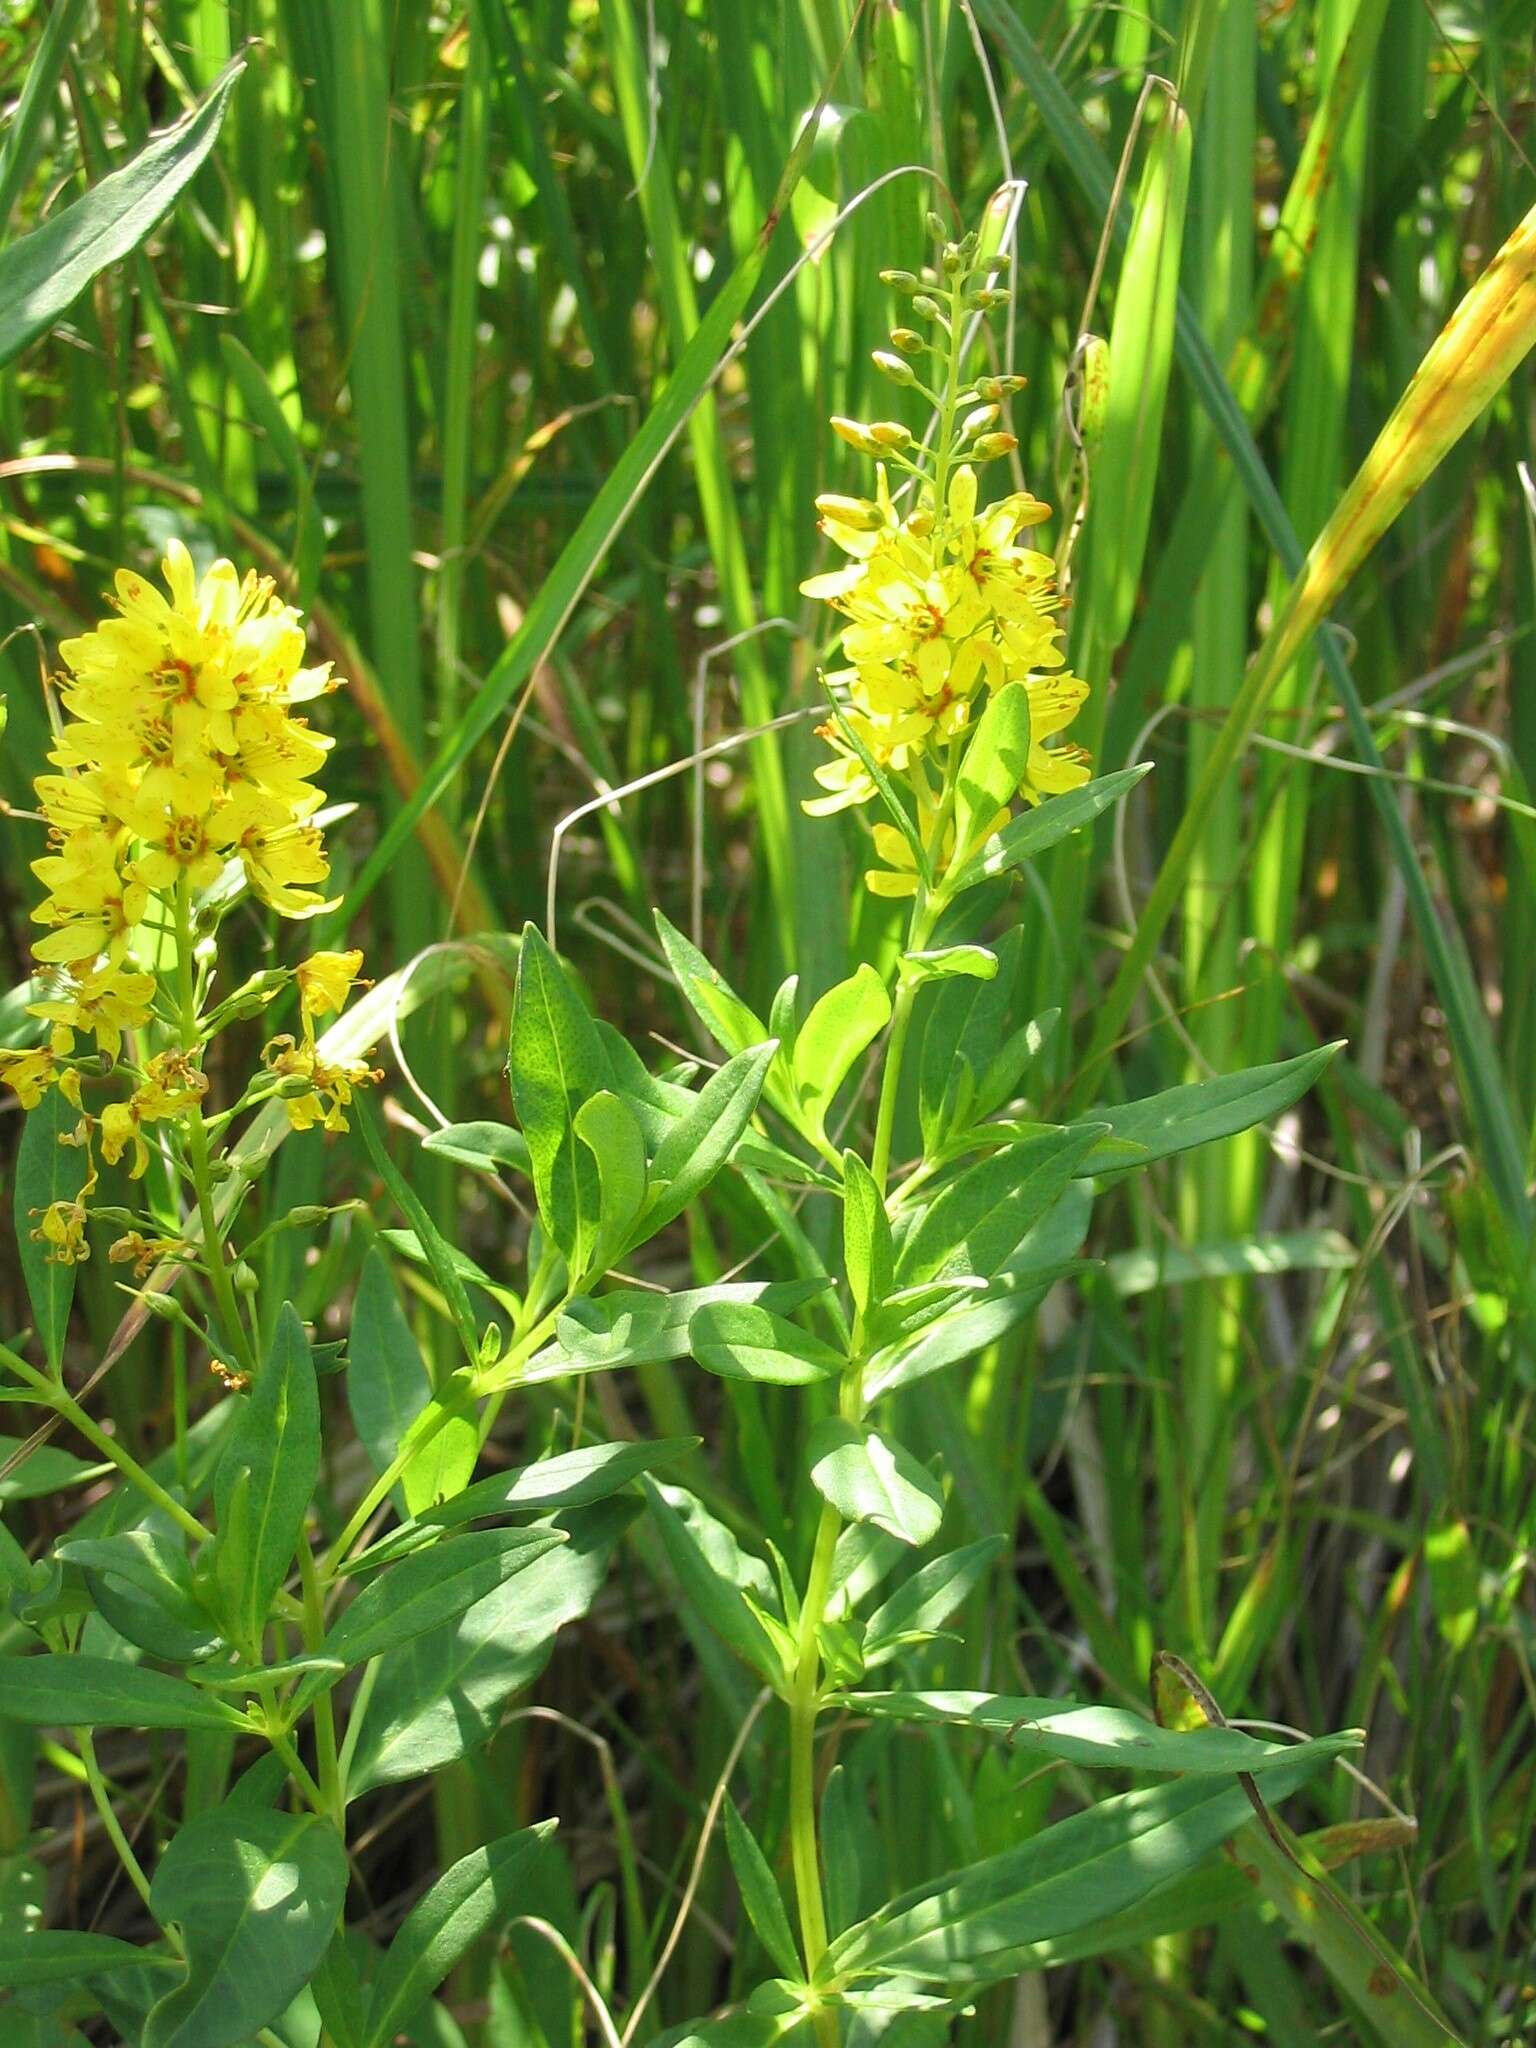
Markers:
<point>943,963</point>
<point>482,1891</point>
<point>1280,1251</point>
<point>141,1582</point>
<point>760,1893</point>
<point>968,1022</point>
<point>924,1602</point>
<point>868,1478</point>
<point>556,1064</point>
<point>745,1341</point>
<point>425,1592</point>
<point>630,1326</point>
<point>81,1691</point>
<point>43,1471</point>
<point>608,1130</point>
<point>869,1256</point>
<point>1202,1111</point>
<point>46,1957</point>
<point>968,1927</point>
<point>982,1216</point>
<point>46,1171</point>
<point>841,1024</point>
<point>266,1478</point>
<point>482,1146</point>
<point>442,1694</point>
<point>716,1575</point>
<point>708,994</point>
<point>700,1143</point>
<point>1035,832</point>
<point>1104,1738</point>
<point>574,1479</point>
<point>256,1896</point>
<point>43,273</point>
<point>992,768</point>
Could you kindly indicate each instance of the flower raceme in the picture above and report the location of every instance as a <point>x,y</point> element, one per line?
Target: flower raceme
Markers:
<point>941,604</point>
<point>183,753</point>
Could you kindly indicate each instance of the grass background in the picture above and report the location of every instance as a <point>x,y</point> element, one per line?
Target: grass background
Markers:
<point>392,346</point>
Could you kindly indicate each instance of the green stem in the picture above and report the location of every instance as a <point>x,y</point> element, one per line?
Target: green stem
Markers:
<point>804,1705</point>
<point>331,1790</point>
<point>51,1395</point>
<point>109,1820</point>
<point>924,916</point>
<point>216,1265</point>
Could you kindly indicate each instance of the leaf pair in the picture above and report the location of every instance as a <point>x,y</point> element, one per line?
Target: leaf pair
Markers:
<point>601,1187</point>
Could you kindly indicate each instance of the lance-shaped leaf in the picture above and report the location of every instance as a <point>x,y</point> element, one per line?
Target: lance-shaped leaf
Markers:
<point>924,1602</point>
<point>266,1478</point>
<point>423,1592</point>
<point>992,767</point>
<point>869,1257</point>
<point>47,1171</point>
<point>484,1889</point>
<point>717,1575</point>
<point>256,1896</point>
<point>49,1957</point>
<point>703,1139</point>
<point>760,1893</point>
<point>55,1690</point>
<point>1103,1738</point>
<point>976,1222</point>
<point>841,1025</point>
<point>556,1064</point>
<point>632,1327</point>
<point>388,1387</point>
<point>607,1127</point>
<point>970,1926</point>
<point>43,273</point>
<point>442,1693</point>
<point>1200,1112</point>
<point>1035,832</point>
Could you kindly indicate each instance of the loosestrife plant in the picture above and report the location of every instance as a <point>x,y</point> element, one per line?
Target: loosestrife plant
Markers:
<point>336,1651</point>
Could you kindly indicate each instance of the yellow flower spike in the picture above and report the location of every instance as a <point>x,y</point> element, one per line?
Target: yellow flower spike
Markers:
<point>942,603</point>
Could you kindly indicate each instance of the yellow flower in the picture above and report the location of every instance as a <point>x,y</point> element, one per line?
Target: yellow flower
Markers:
<point>325,981</point>
<point>315,1091</point>
<point>144,1253</point>
<point>171,1086</point>
<point>1054,701</point>
<point>30,1072</point>
<point>62,1230</point>
<point>106,1000</point>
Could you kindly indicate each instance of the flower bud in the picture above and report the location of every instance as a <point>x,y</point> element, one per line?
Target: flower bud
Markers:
<point>987,297</point>
<point>894,367</point>
<point>990,446</point>
<point>245,1277</point>
<point>908,340</point>
<point>929,308</point>
<point>307,1214</point>
<point>936,227</point>
<point>920,522</point>
<point>952,260</point>
<point>858,513</point>
<point>899,280</point>
<point>983,417</point>
<point>890,434</point>
<point>855,434</point>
